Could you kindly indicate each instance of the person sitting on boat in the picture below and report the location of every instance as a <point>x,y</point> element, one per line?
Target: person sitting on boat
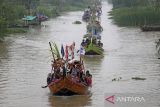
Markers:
<point>83,42</point>
<point>88,78</point>
<point>57,72</point>
<point>87,41</point>
<point>74,71</point>
<point>49,78</point>
<point>64,71</point>
<point>83,79</point>
<point>94,40</point>
<point>53,77</point>
<point>88,73</point>
<point>100,44</point>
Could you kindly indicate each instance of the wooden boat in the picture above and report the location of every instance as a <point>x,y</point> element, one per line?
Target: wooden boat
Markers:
<point>151,28</point>
<point>67,86</point>
<point>67,77</point>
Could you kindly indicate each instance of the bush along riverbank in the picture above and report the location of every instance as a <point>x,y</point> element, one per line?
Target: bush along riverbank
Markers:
<point>17,15</point>
<point>131,13</point>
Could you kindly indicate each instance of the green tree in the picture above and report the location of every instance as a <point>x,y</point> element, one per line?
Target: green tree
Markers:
<point>3,26</point>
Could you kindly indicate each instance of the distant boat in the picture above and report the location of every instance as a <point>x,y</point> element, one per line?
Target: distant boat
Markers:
<point>150,28</point>
<point>92,45</point>
<point>30,20</point>
<point>41,17</point>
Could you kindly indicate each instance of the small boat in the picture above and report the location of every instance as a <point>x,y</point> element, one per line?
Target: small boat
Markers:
<point>150,28</point>
<point>68,77</point>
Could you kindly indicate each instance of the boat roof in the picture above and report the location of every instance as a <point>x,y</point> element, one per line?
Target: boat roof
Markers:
<point>29,18</point>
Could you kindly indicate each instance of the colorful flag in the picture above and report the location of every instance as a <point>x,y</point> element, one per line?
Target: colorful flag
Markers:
<point>72,50</point>
<point>66,53</point>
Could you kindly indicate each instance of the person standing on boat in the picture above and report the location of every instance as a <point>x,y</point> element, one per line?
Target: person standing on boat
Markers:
<point>57,71</point>
<point>74,71</point>
<point>64,71</point>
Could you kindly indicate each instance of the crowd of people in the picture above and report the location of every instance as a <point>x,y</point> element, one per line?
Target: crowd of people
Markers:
<point>95,40</point>
<point>70,69</point>
<point>91,11</point>
<point>94,27</point>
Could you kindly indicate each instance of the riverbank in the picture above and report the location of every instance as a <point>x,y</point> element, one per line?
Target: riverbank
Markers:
<point>25,62</point>
<point>125,14</point>
<point>10,17</point>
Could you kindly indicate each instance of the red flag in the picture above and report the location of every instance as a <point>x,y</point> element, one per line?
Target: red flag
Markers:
<point>72,50</point>
<point>66,51</point>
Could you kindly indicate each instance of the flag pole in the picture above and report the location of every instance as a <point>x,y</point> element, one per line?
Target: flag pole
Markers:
<point>51,50</point>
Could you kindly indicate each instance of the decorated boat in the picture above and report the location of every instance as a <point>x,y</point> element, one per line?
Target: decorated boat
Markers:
<point>91,43</point>
<point>91,46</point>
<point>68,75</point>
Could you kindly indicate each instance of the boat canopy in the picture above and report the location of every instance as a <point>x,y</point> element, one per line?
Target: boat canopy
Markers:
<point>29,18</point>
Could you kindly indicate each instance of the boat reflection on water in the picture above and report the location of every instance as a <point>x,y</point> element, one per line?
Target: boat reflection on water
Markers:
<point>3,50</point>
<point>70,101</point>
<point>93,61</point>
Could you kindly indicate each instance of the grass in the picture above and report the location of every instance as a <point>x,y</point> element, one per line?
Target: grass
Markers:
<point>16,30</point>
<point>135,16</point>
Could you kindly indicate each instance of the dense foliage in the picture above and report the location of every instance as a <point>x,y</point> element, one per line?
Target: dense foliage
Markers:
<point>136,12</point>
<point>12,11</point>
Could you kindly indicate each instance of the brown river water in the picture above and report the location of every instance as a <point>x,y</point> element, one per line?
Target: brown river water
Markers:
<point>25,61</point>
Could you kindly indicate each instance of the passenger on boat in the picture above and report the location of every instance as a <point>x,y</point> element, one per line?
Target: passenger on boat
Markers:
<point>88,78</point>
<point>83,78</point>
<point>100,44</point>
<point>74,71</point>
<point>49,78</point>
<point>83,42</point>
<point>57,72</point>
<point>87,41</point>
<point>53,77</point>
<point>64,71</point>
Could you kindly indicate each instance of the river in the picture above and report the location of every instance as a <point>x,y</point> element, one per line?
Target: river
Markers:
<point>25,61</point>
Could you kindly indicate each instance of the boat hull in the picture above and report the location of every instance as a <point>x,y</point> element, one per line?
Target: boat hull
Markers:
<point>92,52</point>
<point>67,86</point>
